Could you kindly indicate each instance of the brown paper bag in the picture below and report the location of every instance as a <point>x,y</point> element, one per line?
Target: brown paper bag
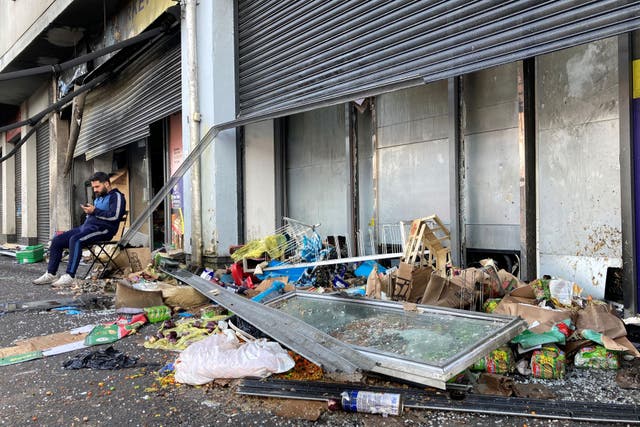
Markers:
<point>599,318</point>
<point>545,317</point>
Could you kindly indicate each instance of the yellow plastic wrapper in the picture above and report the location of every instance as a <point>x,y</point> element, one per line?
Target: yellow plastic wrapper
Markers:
<point>181,334</point>
<point>499,361</point>
<point>490,305</point>
<point>548,363</point>
<point>272,245</point>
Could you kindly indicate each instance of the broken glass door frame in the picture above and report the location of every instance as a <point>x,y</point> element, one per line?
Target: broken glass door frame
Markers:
<point>388,363</point>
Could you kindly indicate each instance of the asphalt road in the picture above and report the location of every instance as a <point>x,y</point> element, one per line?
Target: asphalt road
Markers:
<point>42,393</point>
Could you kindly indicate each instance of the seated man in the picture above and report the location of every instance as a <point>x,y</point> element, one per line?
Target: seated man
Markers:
<point>103,219</point>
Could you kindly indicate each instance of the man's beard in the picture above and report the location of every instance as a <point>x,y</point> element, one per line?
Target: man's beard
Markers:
<point>101,193</point>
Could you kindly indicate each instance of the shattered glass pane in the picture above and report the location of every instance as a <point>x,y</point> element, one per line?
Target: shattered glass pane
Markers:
<point>427,337</point>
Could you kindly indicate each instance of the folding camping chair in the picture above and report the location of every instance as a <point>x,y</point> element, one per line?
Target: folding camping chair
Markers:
<point>107,247</point>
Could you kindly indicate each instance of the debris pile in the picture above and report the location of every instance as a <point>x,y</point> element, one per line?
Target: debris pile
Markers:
<point>298,308</point>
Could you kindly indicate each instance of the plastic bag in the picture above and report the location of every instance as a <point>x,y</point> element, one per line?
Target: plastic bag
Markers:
<point>499,361</point>
<point>273,245</point>
<point>540,289</point>
<point>108,358</point>
<point>562,291</point>
<point>112,332</point>
<point>596,357</point>
<point>157,313</point>
<point>223,356</point>
<point>548,362</point>
<point>557,334</point>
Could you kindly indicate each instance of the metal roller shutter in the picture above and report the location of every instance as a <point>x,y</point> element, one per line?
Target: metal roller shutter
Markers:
<point>294,54</point>
<point>120,111</point>
<point>42,166</point>
<point>18,158</point>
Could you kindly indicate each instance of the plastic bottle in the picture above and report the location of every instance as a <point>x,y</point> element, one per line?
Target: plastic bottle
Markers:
<point>372,402</point>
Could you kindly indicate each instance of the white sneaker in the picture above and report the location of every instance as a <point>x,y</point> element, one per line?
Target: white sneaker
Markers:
<point>64,280</point>
<point>45,279</point>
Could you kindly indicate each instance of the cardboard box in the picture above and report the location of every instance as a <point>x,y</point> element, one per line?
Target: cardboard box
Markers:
<point>135,258</point>
<point>410,282</point>
<point>443,292</point>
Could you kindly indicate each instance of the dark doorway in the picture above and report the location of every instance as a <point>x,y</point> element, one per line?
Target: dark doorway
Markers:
<point>158,140</point>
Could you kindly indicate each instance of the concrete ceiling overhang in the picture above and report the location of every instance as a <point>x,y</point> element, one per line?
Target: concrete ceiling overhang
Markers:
<point>65,37</point>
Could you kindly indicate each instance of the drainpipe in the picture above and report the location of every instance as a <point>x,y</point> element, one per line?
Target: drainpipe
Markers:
<point>194,131</point>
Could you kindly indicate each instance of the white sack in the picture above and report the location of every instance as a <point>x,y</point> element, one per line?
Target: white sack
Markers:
<point>223,356</point>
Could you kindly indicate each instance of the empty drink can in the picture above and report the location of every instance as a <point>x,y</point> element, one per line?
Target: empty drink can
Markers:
<point>372,402</point>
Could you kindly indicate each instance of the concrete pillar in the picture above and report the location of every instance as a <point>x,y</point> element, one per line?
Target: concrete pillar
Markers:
<point>260,178</point>
<point>219,174</point>
<point>60,184</point>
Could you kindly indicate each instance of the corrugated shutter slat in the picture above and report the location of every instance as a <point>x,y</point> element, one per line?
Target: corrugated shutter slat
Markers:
<point>120,111</point>
<point>42,166</point>
<point>337,49</point>
<point>18,160</point>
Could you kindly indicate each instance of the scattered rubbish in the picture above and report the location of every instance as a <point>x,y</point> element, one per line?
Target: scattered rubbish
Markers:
<point>167,369</point>
<point>557,334</point>
<point>302,371</point>
<point>498,361</point>
<point>71,310</point>
<point>179,335</point>
<point>317,346</point>
<point>108,359</point>
<point>418,398</point>
<point>371,402</point>
<point>157,313</point>
<point>494,384</point>
<point>628,377</point>
<point>64,348</point>
<point>596,357</point>
<point>37,347</point>
<point>37,305</point>
<point>19,358</point>
<point>364,269</point>
<point>224,356</point>
<point>549,363</point>
<point>185,315</point>
<point>276,288</point>
<point>533,391</point>
<point>129,297</point>
<point>108,333</point>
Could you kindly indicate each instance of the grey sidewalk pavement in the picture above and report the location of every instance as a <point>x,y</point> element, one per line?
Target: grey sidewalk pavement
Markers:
<point>42,393</point>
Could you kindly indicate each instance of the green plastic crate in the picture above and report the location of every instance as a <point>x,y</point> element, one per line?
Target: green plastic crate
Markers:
<point>30,254</point>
